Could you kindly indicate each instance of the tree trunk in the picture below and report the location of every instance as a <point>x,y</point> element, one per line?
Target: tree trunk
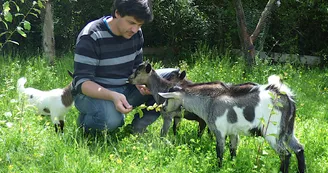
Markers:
<point>48,33</point>
<point>247,42</point>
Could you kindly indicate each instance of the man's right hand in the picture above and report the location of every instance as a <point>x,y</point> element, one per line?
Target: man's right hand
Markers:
<point>94,90</point>
<point>121,104</point>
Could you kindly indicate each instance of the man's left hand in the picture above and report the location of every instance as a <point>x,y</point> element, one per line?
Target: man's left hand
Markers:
<point>143,89</point>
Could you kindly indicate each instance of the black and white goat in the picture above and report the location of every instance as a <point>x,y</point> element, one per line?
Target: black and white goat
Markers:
<point>234,109</point>
<point>55,103</point>
<point>146,75</point>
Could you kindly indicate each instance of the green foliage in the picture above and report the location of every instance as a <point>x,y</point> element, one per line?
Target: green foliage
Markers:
<point>28,142</point>
<point>15,21</point>
<point>297,26</point>
<point>182,25</point>
<point>179,24</point>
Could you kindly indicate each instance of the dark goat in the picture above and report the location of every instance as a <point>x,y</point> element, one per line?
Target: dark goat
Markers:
<point>146,75</point>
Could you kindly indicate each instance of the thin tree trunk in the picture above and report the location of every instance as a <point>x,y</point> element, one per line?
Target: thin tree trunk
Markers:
<point>48,33</point>
<point>247,41</point>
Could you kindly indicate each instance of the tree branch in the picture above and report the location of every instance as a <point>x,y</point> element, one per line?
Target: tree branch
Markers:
<point>264,16</point>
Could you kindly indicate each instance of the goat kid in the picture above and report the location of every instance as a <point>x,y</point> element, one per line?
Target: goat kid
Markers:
<point>146,75</point>
<point>55,103</point>
<point>233,109</point>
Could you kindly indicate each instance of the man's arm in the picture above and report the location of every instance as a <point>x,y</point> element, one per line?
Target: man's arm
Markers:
<point>92,89</point>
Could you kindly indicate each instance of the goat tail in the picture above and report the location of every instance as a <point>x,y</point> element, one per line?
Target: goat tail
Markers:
<point>276,81</point>
<point>20,84</point>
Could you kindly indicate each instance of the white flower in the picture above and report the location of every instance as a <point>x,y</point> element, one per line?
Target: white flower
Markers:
<point>13,101</point>
<point>9,124</point>
<point>8,114</point>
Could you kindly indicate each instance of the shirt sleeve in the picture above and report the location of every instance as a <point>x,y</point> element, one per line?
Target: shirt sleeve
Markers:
<point>86,59</point>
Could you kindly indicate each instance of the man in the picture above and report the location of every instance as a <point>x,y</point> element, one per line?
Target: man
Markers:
<point>108,50</point>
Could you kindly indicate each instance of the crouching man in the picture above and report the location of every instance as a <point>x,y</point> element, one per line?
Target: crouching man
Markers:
<point>107,52</point>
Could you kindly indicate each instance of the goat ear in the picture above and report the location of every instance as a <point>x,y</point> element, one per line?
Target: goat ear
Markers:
<point>169,95</point>
<point>182,75</point>
<point>148,68</point>
<point>70,73</point>
<point>175,88</point>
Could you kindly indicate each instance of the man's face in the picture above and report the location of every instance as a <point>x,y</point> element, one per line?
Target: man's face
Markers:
<point>128,26</point>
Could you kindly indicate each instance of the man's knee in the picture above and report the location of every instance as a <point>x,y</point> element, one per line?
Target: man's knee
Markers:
<point>102,120</point>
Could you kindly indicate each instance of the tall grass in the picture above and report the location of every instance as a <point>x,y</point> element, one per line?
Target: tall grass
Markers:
<point>28,142</point>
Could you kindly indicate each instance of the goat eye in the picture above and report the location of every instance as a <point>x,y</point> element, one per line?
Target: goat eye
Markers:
<point>31,96</point>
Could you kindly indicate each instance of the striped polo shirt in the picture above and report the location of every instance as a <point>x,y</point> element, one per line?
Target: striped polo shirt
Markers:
<point>103,57</point>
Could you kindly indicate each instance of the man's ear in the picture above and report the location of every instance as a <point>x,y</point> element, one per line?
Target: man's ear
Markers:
<point>148,68</point>
<point>117,14</point>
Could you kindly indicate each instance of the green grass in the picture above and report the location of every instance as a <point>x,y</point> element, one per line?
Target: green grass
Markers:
<point>28,142</point>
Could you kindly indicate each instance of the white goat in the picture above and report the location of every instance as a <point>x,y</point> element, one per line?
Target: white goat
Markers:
<point>55,103</point>
<point>233,109</point>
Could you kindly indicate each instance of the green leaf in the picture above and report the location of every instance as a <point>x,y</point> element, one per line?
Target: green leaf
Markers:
<point>273,112</point>
<point>8,16</point>
<point>15,42</point>
<point>279,104</point>
<point>262,121</point>
<point>17,7</point>
<point>22,1</point>
<point>37,10</point>
<point>274,135</point>
<point>40,4</point>
<point>3,33</point>
<point>18,14</point>
<point>140,113</point>
<point>6,25</point>
<point>20,31</point>
<point>34,14</point>
<point>6,6</point>
<point>274,122</point>
<point>27,25</point>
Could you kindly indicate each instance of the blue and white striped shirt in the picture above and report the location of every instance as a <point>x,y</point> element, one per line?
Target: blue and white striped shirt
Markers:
<point>103,57</point>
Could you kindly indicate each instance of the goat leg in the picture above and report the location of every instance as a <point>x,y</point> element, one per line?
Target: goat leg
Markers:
<point>301,161</point>
<point>61,125</point>
<point>285,160</point>
<point>56,128</point>
<point>176,123</point>
<point>298,149</point>
<point>202,126</point>
<point>167,120</point>
<point>220,141</point>
<point>234,139</point>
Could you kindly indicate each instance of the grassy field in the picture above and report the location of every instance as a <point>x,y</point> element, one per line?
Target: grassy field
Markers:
<point>28,142</point>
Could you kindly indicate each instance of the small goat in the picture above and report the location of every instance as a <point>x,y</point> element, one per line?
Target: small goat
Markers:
<point>55,103</point>
<point>146,75</point>
<point>233,109</point>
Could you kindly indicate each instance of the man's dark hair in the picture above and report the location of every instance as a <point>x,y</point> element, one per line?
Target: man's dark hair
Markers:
<point>139,9</point>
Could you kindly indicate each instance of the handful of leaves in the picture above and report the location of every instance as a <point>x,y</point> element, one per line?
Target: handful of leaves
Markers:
<point>149,108</point>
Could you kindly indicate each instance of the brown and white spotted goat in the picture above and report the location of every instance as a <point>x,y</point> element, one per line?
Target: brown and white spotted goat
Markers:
<point>146,75</point>
<point>234,109</point>
<point>55,102</point>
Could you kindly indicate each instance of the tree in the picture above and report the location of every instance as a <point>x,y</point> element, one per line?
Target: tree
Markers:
<point>48,42</point>
<point>247,42</point>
